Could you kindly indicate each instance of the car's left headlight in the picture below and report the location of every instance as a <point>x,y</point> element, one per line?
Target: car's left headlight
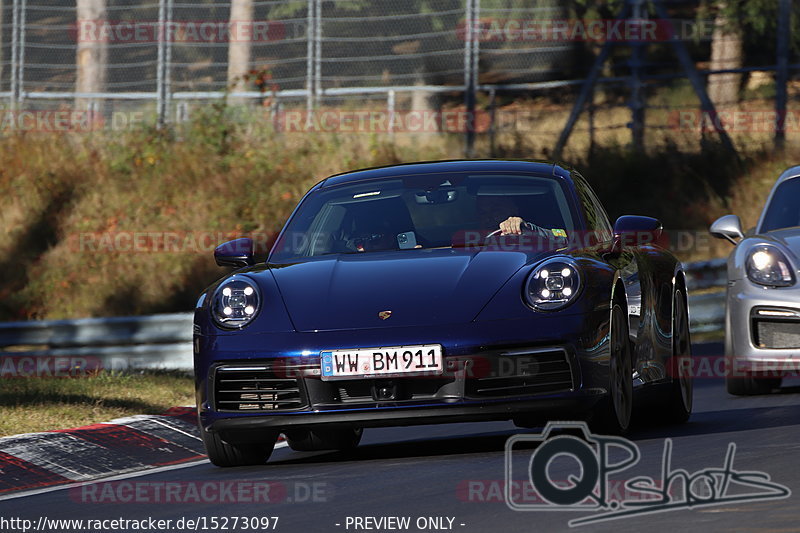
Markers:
<point>236,302</point>
<point>553,284</point>
<point>767,265</point>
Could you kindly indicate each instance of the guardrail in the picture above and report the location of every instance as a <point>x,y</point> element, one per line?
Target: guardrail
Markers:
<point>165,341</point>
<point>707,309</point>
<point>119,343</point>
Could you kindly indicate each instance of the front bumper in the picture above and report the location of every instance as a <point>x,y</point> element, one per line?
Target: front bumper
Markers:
<point>493,372</point>
<point>567,405</point>
<point>762,330</point>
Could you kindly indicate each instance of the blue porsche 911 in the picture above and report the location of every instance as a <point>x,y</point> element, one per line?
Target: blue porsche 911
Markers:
<point>440,292</point>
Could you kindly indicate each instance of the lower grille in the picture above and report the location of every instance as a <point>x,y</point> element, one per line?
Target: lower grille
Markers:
<point>355,391</point>
<point>777,334</point>
<point>256,389</point>
<point>523,373</point>
<point>407,388</point>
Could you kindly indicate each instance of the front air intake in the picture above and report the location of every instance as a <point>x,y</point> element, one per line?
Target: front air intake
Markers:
<point>256,388</point>
<point>522,373</point>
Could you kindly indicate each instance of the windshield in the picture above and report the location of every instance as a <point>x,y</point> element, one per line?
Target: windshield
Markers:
<point>420,211</point>
<point>784,209</point>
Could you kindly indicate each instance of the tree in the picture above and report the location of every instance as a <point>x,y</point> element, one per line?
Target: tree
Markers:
<point>240,44</point>
<point>92,53</point>
<point>727,52</point>
<point>743,29</point>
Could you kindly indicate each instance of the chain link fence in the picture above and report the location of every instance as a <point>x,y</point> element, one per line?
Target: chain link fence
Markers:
<point>116,62</point>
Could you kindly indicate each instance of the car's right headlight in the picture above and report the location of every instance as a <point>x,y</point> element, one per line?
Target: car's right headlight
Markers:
<point>767,265</point>
<point>235,302</point>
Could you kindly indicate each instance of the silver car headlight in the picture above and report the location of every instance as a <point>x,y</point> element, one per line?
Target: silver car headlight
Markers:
<point>236,302</point>
<point>767,265</point>
<point>553,284</point>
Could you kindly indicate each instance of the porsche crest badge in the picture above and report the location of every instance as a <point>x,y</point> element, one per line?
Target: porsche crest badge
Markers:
<point>383,315</point>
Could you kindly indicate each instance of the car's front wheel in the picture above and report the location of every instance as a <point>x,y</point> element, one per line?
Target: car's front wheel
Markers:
<point>223,453</point>
<point>677,406</point>
<point>317,439</point>
<point>613,414</point>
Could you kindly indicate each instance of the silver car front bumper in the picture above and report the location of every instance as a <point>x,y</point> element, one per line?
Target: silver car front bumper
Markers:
<point>762,330</point>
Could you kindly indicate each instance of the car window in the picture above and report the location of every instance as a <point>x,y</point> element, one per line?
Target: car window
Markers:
<point>421,211</point>
<point>596,216</point>
<point>783,210</point>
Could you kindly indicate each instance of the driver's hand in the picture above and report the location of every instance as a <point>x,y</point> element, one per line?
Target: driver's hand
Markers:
<point>511,226</point>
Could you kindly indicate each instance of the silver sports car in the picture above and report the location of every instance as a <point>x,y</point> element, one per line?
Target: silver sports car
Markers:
<point>762,324</point>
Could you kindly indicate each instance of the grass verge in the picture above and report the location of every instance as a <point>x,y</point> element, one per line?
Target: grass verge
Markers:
<point>71,205</point>
<point>43,404</point>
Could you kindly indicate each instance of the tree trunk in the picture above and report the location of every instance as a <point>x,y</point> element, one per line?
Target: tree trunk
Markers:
<point>92,53</point>
<point>726,53</point>
<point>240,44</point>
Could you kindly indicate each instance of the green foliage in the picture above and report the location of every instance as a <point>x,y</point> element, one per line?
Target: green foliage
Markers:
<point>755,20</point>
<point>290,9</point>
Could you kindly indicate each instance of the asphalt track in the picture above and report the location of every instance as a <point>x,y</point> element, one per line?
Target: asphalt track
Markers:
<point>456,472</point>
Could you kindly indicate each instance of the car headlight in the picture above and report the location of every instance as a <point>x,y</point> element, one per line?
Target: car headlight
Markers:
<point>553,284</point>
<point>236,302</point>
<point>767,265</point>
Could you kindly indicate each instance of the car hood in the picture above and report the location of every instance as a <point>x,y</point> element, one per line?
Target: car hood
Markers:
<point>789,238</point>
<point>418,287</point>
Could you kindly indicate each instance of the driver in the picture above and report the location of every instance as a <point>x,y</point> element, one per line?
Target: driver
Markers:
<point>492,209</point>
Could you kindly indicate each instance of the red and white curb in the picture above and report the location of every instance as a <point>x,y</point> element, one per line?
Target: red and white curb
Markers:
<point>132,444</point>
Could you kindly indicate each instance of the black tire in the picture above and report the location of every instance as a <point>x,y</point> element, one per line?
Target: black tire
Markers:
<point>749,385</point>
<point>677,405</point>
<point>225,454</point>
<point>317,439</point>
<point>613,414</point>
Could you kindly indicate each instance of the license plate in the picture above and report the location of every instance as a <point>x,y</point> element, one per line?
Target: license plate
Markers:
<point>382,362</point>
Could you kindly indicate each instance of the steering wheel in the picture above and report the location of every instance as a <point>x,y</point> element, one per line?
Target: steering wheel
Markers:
<point>364,242</point>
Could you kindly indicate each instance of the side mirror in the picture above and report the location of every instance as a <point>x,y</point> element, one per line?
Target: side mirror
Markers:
<point>632,231</point>
<point>236,253</point>
<point>727,227</point>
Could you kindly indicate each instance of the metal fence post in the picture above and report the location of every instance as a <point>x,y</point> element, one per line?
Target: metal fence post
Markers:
<point>21,53</point>
<point>470,75</point>
<point>492,123</point>
<point>706,105</point>
<point>587,88</point>
<point>14,53</point>
<point>309,61</point>
<point>161,57</point>
<point>782,74</point>
<point>318,51</point>
<point>168,64</point>
<point>390,107</point>
<point>637,102</point>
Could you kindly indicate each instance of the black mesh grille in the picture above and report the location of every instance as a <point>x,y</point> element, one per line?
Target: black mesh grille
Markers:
<point>256,389</point>
<point>777,334</point>
<point>524,373</point>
